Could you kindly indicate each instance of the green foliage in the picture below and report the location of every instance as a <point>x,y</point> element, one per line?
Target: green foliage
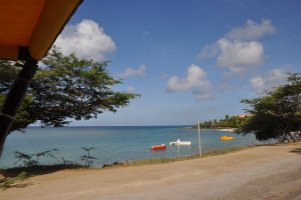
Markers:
<point>30,160</point>
<point>277,115</point>
<point>33,160</point>
<point>87,158</point>
<point>64,88</point>
<point>26,159</point>
<point>8,72</point>
<point>227,122</point>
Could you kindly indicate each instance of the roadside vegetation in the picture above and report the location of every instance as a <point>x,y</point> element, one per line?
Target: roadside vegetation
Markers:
<point>277,114</point>
<point>14,177</point>
<point>29,165</point>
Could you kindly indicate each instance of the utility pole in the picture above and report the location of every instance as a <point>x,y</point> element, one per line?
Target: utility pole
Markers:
<point>200,142</point>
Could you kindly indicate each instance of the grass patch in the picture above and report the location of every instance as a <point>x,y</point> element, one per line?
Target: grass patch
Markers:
<point>162,160</point>
<point>154,161</point>
<point>8,182</point>
<point>225,151</point>
<point>207,154</point>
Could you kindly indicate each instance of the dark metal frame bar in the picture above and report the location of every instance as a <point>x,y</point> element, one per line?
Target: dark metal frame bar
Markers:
<point>15,98</point>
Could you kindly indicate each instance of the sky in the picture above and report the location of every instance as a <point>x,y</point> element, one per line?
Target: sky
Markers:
<point>190,60</point>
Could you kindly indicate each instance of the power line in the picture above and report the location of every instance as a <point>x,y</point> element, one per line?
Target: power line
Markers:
<point>278,10</point>
<point>261,11</point>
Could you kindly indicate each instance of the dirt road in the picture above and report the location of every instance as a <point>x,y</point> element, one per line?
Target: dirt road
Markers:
<point>267,172</point>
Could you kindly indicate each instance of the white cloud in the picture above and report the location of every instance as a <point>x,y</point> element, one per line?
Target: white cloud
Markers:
<point>251,30</point>
<point>87,39</point>
<point>195,81</point>
<point>273,78</point>
<point>131,72</point>
<point>239,56</point>
<point>209,51</point>
<point>238,49</point>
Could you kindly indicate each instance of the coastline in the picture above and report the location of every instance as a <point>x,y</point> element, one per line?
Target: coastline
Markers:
<point>114,144</point>
<point>214,128</point>
<point>270,171</point>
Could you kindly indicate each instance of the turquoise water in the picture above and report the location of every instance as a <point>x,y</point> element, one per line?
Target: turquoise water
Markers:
<point>114,143</point>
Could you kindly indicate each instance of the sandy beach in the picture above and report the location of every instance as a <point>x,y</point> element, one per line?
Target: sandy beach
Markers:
<point>265,172</point>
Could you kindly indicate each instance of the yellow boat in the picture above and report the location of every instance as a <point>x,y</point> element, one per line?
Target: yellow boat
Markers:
<point>226,137</point>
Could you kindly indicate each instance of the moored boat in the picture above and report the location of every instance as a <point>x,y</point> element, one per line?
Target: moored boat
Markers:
<point>158,147</point>
<point>179,142</point>
<point>226,137</point>
<point>227,129</point>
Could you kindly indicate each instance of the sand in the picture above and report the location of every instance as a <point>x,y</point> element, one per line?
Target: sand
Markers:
<point>266,172</point>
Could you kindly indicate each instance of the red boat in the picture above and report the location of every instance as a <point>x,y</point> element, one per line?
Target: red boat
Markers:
<point>159,147</point>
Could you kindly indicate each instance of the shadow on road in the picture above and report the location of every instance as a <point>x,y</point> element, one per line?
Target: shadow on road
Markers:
<point>298,151</point>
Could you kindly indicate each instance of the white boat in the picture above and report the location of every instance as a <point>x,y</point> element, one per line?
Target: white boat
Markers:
<point>179,142</point>
<point>226,129</point>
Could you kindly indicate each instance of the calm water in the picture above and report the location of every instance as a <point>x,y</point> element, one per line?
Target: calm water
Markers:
<point>114,143</point>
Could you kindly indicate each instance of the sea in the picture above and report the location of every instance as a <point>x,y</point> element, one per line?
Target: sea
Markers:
<point>114,143</point>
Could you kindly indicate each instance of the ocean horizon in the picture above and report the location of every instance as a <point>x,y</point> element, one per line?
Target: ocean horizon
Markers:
<point>114,143</point>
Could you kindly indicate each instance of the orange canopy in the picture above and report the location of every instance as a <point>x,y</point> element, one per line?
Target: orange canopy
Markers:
<point>29,27</point>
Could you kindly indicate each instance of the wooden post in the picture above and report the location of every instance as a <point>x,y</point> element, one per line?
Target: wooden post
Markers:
<point>15,98</point>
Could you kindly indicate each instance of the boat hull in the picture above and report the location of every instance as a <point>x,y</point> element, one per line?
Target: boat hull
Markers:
<point>179,142</point>
<point>158,147</point>
<point>226,138</point>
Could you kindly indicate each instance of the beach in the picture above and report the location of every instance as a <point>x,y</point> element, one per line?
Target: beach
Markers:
<point>264,172</point>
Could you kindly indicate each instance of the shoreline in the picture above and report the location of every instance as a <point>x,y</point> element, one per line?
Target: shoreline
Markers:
<point>138,141</point>
<point>262,172</point>
<point>128,163</point>
<point>214,128</point>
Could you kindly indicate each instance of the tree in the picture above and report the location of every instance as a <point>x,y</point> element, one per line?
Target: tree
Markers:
<point>227,122</point>
<point>64,88</point>
<point>277,115</point>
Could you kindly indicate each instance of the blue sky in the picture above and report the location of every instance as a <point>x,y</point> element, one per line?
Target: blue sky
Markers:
<point>190,60</point>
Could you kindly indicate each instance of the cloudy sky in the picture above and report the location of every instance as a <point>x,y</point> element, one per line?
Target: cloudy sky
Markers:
<point>190,60</point>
